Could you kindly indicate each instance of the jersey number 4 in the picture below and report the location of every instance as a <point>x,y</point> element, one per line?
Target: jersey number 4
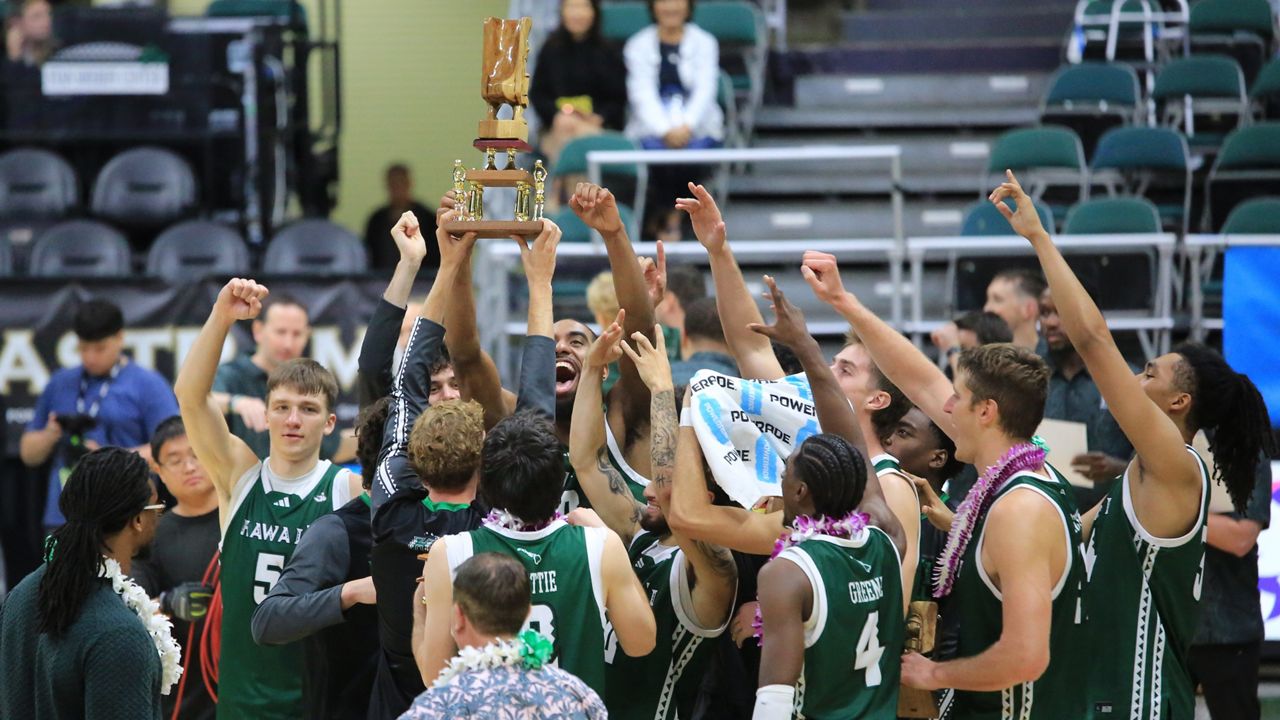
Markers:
<point>870,650</point>
<point>266,574</point>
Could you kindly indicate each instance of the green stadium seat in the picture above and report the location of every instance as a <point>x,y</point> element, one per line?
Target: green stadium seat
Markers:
<point>1151,162</point>
<point>1051,159</point>
<point>1247,166</point>
<point>573,158</point>
<point>1257,216</point>
<point>1266,89</point>
<point>1243,29</point>
<point>1113,215</point>
<point>1092,97</point>
<point>982,219</point>
<point>620,20</point>
<point>739,27</point>
<point>1196,93</point>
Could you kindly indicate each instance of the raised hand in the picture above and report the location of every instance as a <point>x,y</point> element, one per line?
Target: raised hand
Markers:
<point>408,237</point>
<point>934,509</point>
<point>606,349</point>
<point>651,360</point>
<point>1025,220</point>
<point>708,224</point>
<point>655,275</point>
<point>540,258</point>
<point>822,273</point>
<point>945,336</point>
<point>453,250</point>
<point>240,299</point>
<point>597,208</point>
<point>788,327</point>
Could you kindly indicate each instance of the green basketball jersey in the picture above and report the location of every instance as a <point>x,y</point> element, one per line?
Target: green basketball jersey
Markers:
<point>264,681</point>
<point>563,561</point>
<point>683,652</point>
<point>854,634</point>
<point>976,601</point>
<point>886,463</point>
<point>1142,602</point>
<point>574,497</point>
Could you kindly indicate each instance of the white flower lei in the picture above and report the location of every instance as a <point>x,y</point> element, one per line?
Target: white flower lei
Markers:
<point>498,653</point>
<point>157,625</point>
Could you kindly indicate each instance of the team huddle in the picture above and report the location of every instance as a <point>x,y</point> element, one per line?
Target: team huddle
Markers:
<point>595,481</point>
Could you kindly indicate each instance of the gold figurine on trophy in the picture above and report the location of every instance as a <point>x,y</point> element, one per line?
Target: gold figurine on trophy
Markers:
<point>504,81</point>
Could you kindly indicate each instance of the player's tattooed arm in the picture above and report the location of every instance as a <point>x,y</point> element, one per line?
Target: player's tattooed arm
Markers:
<point>662,437</point>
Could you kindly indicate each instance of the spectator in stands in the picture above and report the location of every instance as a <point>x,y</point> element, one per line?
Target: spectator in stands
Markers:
<point>383,254</point>
<point>1228,642</point>
<point>685,284</point>
<point>1073,396</point>
<point>1014,294</point>
<point>281,333</point>
<point>974,328</point>
<point>29,32</point>
<point>703,345</point>
<point>178,571</point>
<point>579,82</point>
<point>105,400</point>
<point>673,73</point>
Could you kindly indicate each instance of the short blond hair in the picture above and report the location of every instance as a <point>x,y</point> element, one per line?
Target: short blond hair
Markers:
<point>307,377</point>
<point>602,298</point>
<point>444,446</point>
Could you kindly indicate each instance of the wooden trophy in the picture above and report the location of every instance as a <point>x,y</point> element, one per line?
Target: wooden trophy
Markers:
<point>504,81</point>
<point>922,624</point>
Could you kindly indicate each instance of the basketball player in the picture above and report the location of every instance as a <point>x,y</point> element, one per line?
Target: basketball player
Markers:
<point>690,585</point>
<point>1013,563</point>
<point>265,504</point>
<point>1146,538</point>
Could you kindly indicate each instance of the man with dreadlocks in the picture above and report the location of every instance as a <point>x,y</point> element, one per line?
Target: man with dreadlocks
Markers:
<point>835,573</point>
<point>69,648</point>
<point>1146,538</point>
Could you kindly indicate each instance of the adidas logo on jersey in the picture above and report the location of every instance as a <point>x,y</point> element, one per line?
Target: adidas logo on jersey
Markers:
<point>282,502</point>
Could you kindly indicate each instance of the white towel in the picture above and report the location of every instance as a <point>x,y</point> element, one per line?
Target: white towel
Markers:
<point>748,428</point>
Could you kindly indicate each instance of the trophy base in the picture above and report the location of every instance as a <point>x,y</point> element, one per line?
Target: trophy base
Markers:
<point>500,178</point>
<point>494,228</point>
<point>485,143</point>
<point>504,130</point>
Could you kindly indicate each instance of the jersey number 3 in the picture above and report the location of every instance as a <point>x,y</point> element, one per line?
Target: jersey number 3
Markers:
<point>542,620</point>
<point>265,575</point>
<point>870,650</point>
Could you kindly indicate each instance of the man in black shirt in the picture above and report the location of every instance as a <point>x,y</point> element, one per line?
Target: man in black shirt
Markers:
<point>425,482</point>
<point>383,253</point>
<point>1225,652</point>
<point>178,569</point>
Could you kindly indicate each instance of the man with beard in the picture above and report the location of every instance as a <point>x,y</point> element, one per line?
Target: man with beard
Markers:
<point>627,415</point>
<point>690,584</point>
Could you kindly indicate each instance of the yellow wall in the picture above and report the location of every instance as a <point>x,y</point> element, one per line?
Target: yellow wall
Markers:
<point>411,93</point>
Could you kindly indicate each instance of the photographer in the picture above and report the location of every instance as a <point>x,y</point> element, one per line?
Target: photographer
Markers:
<point>105,400</point>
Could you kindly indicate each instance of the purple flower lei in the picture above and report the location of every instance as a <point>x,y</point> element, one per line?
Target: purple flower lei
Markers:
<point>804,528</point>
<point>1020,457</point>
<point>503,519</point>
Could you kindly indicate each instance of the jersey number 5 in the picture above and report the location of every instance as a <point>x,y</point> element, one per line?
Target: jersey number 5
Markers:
<point>870,650</point>
<point>266,574</point>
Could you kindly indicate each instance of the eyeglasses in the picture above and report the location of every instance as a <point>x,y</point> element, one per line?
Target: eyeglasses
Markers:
<point>158,508</point>
<point>180,462</point>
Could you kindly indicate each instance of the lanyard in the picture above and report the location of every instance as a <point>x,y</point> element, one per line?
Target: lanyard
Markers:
<point>102,391</point>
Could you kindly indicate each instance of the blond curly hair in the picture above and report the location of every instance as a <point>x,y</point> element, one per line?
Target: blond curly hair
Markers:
<point>444,446</point>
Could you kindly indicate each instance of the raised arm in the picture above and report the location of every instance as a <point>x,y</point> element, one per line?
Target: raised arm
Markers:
<point>378,347</point>
<point>835,414</point>
<point>905,366</point>
<point>597,208</point>
<point>412,384</point>
<point>605,487</point>
<point>224,456</point>
<point>713,567</point>
<point>737,308</point>
<point>1155,437</point>
<point>477,375</point>
<point>538,357</point>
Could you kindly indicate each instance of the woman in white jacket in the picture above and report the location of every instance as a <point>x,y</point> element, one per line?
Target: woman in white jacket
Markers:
<point>673,72</point>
